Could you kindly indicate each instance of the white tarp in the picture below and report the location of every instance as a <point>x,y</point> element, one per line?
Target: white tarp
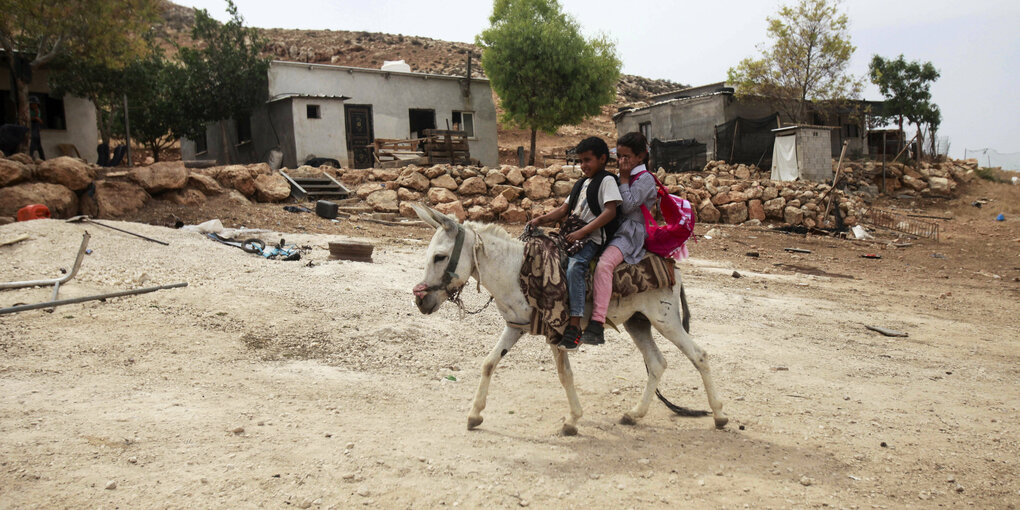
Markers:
<point>784,159</point>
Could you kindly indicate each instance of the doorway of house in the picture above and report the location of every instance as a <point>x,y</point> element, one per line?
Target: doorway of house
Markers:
<point>360,135</point>
<point>421,120</point>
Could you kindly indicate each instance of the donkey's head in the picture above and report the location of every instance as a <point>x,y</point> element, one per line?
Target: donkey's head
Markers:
<point>449,262</point>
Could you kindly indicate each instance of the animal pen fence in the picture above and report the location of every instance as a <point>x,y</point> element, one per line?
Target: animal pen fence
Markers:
<point>678,155</point>
<point>747,141</point>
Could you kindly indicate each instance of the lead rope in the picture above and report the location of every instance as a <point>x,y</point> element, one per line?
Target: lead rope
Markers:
<point>455,297</point>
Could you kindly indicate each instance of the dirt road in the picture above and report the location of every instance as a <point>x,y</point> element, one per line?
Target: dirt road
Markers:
<point>278,384</point>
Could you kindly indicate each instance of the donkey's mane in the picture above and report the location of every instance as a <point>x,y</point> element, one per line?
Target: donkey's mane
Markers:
<point>491,229</point>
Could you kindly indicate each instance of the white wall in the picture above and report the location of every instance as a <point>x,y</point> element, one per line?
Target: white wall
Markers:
<point>79,115</point>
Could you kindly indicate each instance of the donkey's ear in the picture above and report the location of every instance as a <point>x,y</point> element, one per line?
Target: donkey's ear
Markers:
<point>426,215</point>
<point>448,222</point>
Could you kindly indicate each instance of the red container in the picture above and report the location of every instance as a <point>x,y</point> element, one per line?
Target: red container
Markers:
<point>33,212</point>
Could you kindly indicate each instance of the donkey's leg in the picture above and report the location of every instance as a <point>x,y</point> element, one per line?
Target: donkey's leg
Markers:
<point>567,380</point>
<point>641,331</point>
<point>671,327</point>
<point>507,340</point>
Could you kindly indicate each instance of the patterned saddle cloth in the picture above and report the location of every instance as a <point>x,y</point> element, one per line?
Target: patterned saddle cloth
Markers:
<point>543,279</point>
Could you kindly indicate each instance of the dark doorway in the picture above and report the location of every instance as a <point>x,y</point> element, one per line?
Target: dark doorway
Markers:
<point>421,120</point>
<point>360,134</point>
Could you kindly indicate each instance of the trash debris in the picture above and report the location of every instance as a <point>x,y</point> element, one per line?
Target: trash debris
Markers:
<point>296,209</point>
<point>259,247</point>
<point>82,250</point>
<point>207,227</point>
<point>1000,217</point>
<point>71,301</point>
<point>886,331</point>
<point>351,250</point>
<point>86,219</point>
<point>796,250</point>
<point>736,274</point>
<point>753,254</point>
<point>326,209</point>
<point>14,240</point>
<point>870,256</point>
<point>938,256</point>
<point>861,233</point>
<point>33,212</point>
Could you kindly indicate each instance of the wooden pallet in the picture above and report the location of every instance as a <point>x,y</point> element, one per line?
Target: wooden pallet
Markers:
<point>444,146</point>
<point>323,187</point>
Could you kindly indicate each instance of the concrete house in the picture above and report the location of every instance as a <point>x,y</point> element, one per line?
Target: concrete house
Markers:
<point>67,120</point>
<point>327,111</point>
<point>718,125</point>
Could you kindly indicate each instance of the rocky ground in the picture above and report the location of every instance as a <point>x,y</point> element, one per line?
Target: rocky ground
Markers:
<point>318,384</point>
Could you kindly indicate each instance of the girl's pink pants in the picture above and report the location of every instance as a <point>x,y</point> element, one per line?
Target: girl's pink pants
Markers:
<point>603,282</point>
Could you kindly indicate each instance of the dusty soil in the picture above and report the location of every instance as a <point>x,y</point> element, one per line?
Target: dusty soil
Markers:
<point>287,384</point>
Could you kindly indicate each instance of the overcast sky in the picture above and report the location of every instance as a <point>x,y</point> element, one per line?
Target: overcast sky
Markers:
<point>974,43</point>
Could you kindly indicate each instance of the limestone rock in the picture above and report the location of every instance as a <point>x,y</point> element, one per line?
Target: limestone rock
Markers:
<point>385,174</point>
<point>793,215</point>
<point>257,169</point>
<point>207,185</point>
<point>237,177</point>
<point>538,188</point>
<point>25,159</point>
<point>734,212</point>
<point>441,196</point>
<point>562,188</point>
<point>473,186</point>
<point>939,186</point>
<point>272,188</point>
<point>499,204</point>
<point>352,178</point>
<point>510,192</point>
<point>367,189</point>
<point>407,195</point>
<point>237,198</point>
<point>769,194</point>
<point>494,178</point>
<point>514,214</point>
<point>184,197</point>
<point>117,198</point>
<point>742,172</point>
<point>13,172</point>
<point>415,181</point>
<point>774,208</point>
<point>435,171</point>
<point>61,201</point>
<point>515,177</point>
<point>406,210</point>
<point>384,201</point>
<point>707,213</point>
<point>71,173</point>
<point>455,208</point>
<point>914,183</point>
<point>480,213</point>
<point>755,210</point>
<point>444,181</point>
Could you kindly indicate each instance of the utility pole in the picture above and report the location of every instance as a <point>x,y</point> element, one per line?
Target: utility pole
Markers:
<point>127,130</point>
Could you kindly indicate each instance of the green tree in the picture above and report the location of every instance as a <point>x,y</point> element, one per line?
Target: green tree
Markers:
<point>907,89</point>
<point>806,60</point>
<point>224,76</point>
<point>103,85</point>
<point>35,32</point>
<point>544,71</point>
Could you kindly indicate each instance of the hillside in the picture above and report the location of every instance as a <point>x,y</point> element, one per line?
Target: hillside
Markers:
<point>423,54</point>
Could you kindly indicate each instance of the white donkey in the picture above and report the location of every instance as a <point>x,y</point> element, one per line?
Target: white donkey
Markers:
<point>487,252</point>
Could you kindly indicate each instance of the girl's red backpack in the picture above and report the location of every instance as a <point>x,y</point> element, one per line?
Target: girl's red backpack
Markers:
<point>669,240</point>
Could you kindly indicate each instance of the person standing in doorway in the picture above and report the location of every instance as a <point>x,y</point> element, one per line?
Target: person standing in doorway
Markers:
<point>35,144</point>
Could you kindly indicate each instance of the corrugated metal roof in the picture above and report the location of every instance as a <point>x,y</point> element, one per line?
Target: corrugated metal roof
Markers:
<point>292,95</point>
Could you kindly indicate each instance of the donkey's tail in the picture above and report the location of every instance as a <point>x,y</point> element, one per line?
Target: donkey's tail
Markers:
<point>686,319</point>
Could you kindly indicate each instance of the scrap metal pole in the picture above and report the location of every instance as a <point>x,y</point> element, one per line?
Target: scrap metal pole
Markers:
<point>55,281</point>
<point>71,301</point>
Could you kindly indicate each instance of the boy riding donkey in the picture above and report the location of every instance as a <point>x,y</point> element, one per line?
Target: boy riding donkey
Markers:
<point>590,224</point>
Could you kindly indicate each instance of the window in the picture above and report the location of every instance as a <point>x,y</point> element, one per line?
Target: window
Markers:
<point>313,111</point>
<point>464,121</point>
<point>50,109</point>
<point>646,129</point>
<point>243,128</point>
<point>420,120</point>
<point>201,144</point>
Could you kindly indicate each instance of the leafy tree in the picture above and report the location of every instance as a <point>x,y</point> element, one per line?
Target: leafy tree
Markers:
<point>99,83</point>
<point>907,89</point>
<point>35,32</point>
<point>545,72</point>
<point>806,61</point>
<point>156,91</point>
<point>224,77</point>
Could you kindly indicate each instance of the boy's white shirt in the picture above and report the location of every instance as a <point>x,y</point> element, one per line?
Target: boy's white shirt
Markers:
<point>608,192</point>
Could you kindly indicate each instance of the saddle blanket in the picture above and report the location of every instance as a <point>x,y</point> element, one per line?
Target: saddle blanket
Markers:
<point>543,280</point>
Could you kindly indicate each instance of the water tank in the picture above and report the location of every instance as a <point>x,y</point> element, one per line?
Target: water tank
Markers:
<point>396,66</point>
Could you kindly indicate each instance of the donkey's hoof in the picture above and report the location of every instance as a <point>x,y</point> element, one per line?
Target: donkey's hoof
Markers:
<point>721,421</point>
<point>474,421</point>
<point>569,430</point>
<point>627,419</point>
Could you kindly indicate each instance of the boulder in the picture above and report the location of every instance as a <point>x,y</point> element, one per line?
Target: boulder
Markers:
<point>237,177</point>
<point>25,159</point>
<point>235,197</point>
<point>71,173</point>
<point>435,171</point>
<point>769,194</point>
<point>13,172</point>
<point>727,197</point>
<point>367,189</point>
<point>515,177</point>
<point>939,186</point>
<point>60,200</point>
<point>257,169</point>
<point>793,215</point>
<point>384,201</point>
<point>913,182</point>
<point>352,178</point>
<point>755,210</point>
<point>473,186</point>
<point>207,185</point>
<point>774,208</point>
<point>494,178</point>
<point>562,188</point>
<point>499,204</point>
<point>707,213</point>
<point>510,192</point>
<point>117,198</point>
<point>480,213</point>
<point>734,213</point>
<point>415,180</point>
<point>385,174</point>
<point>407,211</point>
<point>538,188</point>
<point>271,188</point>
<point>514,214</point>
<point>165,176</point>
<point>441,196</point>
<point>183,197</point>
<point>742,172</point>
<point>455,208</point>
<point>444,181</point>
<point>407,195</point>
